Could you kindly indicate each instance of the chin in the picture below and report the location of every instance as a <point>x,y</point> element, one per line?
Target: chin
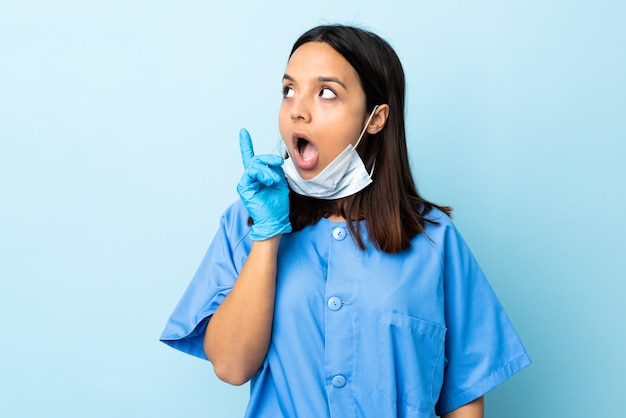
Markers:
<point>308,174</point>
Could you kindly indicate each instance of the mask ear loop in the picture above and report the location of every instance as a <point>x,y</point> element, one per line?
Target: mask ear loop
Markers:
<point>365,127</point>
<point>363,132</point>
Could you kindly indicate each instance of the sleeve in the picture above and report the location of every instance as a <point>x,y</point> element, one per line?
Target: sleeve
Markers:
<point>482,348</point>
<point>210,285</point>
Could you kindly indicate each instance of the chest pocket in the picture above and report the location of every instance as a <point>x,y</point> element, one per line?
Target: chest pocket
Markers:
<point>411,362</point>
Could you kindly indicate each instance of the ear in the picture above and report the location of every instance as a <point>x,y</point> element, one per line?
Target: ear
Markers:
<point>379,119</point>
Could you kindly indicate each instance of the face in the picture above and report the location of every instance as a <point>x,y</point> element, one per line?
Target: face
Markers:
<point>323,108</point>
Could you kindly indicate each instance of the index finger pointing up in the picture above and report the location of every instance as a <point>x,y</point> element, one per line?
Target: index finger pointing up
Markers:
<point>245,145</point>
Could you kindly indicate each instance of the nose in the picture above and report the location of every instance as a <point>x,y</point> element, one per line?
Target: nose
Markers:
<point>300,110</point>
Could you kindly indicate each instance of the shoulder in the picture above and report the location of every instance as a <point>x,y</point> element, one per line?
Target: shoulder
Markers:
<point>235,212</point>
<point>438,225</point>
<point>436,216</point>
<point>234,221</point>
<point>442,234</point>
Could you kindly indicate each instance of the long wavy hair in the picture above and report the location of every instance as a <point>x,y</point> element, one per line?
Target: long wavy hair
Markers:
<point>393,210</point>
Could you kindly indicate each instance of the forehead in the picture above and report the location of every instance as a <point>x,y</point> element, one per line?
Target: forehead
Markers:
<point>318,59</point>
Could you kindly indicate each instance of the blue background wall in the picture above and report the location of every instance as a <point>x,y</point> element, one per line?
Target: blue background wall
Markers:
<point>118,152</point>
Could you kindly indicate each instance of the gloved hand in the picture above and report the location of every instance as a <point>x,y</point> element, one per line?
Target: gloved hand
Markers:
<point>264,191</point>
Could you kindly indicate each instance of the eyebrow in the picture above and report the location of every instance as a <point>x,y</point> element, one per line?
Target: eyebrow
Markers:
<point>321,80</point>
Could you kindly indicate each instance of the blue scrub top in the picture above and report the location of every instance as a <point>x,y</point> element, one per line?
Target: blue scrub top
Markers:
<point>361,333</point>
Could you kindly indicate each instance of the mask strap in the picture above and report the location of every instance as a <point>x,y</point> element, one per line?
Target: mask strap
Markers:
<point>365,127</point>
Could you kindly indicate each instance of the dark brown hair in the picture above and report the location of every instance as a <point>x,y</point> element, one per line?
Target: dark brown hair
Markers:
<point>393,210</point>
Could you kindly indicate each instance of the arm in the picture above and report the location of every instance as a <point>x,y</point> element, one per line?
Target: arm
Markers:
<point>474,409</point>
<point>238,335</point>
<point>239,332</point>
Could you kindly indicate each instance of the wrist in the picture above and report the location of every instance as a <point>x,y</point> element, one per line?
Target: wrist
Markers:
<point>269,246</point>
<point>263,231</point>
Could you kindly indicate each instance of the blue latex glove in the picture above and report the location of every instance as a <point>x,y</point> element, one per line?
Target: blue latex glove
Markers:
<point>264,191</point>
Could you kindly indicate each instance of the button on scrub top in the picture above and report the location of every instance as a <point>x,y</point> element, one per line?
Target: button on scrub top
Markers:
<point>361,333</point>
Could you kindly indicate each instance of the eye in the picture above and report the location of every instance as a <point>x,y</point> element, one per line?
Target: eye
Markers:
<point>327,93</point>
<point>287,92</point>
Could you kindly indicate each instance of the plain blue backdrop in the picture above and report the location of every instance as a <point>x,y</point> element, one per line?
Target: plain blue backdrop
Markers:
<point>118,152</point>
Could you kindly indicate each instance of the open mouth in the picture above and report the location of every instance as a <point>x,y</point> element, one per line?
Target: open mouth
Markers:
<point>306,149</point>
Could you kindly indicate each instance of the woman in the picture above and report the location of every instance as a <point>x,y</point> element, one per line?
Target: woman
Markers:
<point>333,285</point>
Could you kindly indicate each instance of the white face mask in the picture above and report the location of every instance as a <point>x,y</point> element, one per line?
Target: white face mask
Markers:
<point>343,177</point>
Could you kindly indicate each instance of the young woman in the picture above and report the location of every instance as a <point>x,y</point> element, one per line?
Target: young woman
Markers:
<point>333,285</point>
